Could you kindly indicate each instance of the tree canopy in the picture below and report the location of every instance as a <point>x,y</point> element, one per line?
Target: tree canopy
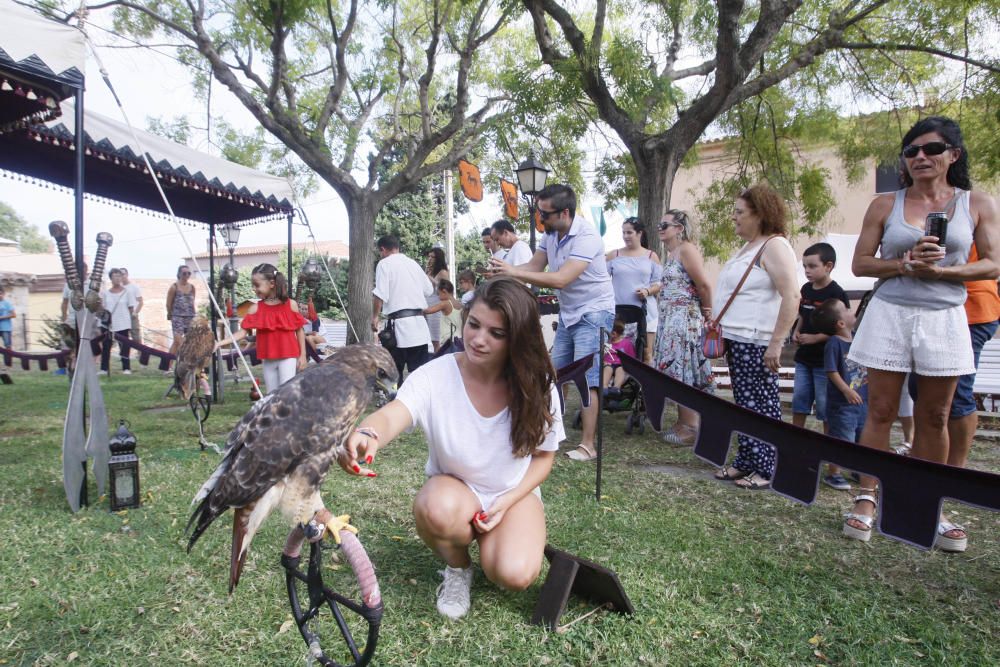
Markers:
<point>345,86</point>
<point>771,74</point>
<point>16,228</point>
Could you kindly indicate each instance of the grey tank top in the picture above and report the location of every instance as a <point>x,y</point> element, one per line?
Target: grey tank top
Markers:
<point>898,236</point>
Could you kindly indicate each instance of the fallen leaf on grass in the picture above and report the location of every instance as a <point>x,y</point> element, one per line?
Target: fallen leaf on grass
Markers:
<point>819,654</point>
<point>140,610</point>
<point>33,582</point>
<point>72,656</point>
<point>286,626</point>
<point>815,640</point>
<point>906,640</point>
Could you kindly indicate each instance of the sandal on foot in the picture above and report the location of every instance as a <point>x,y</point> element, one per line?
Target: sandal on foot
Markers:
<point>730,474</point>
<point>581,453</point>
<point>861,534</point>
<point>753,482</point>
<point>952,544</point>
<point>681,434</point>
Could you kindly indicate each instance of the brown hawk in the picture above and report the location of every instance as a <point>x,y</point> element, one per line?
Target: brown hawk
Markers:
<point>193,357</point>
<point>280,452</point>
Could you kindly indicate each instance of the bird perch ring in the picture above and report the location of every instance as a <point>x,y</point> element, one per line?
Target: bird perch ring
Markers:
<point>363,615</point>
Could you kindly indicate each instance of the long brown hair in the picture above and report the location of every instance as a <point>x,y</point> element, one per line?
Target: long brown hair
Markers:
<point>528,370</point>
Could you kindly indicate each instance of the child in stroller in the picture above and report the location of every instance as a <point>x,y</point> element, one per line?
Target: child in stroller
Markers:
<point>622,392</point>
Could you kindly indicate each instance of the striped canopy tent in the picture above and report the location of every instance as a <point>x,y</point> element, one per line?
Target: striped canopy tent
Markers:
<point>47,137</point>
<point>41,64</point>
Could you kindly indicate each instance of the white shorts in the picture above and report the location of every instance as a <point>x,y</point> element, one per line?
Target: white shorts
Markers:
<point>901,339</point>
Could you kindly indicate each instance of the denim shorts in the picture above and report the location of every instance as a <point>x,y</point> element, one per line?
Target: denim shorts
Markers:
<point>846,421</point>
<point>810,387</point>
<point>964,403</point>
<point>581,340</point>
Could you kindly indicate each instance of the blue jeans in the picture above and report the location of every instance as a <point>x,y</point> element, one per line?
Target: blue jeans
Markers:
<point>6,338</point>
<point>964,403</point>
<point>581,340</point>
<point>810,387</point>
<point>846,421</point>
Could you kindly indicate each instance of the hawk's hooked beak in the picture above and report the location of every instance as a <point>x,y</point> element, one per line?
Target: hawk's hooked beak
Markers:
<point>387,386</point>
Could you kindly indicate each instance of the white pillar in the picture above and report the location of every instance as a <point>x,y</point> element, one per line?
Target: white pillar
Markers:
<point>449,227</point>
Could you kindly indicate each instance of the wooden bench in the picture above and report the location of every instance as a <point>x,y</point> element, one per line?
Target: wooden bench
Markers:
<point>986,388</point>
<point>786,378</point>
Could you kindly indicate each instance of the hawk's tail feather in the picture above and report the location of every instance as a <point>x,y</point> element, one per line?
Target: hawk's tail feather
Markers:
<point>205,516</point>
<point>238,554</point>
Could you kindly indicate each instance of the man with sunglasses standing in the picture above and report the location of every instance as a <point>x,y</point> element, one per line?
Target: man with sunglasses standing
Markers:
<point>574,253</point>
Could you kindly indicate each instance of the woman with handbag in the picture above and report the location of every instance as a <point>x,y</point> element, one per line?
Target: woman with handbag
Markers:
<point>755,306</point>
<point>685,298</point>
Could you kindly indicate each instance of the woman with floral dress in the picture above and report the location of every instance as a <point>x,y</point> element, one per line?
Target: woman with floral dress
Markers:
<point>684,295</point>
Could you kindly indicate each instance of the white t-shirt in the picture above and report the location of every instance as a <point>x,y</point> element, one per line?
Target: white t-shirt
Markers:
<point>135,291</point>
<point>70,310</point>
<point>519,253</point>
<point>463,443</point>
<point>118,305</point>
<point>467,297</point>
<point>402,284</point>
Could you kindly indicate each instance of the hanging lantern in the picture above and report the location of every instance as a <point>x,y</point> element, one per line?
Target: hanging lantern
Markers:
<point>123,469</point>
<point>312,273</point>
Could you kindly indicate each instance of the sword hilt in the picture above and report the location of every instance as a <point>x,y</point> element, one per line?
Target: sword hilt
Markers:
<point>93,298</point>
<point>59,230</point>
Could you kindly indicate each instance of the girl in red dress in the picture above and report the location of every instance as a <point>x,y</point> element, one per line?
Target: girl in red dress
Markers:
<point>281,341</point>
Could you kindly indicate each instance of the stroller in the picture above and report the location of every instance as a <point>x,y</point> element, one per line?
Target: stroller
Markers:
<point>629,396</point>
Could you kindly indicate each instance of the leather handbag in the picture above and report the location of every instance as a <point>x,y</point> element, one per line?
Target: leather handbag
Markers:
<point>713,345</point>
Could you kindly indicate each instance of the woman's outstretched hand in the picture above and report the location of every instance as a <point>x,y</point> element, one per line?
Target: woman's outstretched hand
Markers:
<point>357,449</point>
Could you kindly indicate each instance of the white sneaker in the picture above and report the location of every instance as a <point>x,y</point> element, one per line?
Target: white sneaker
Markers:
<point>126,372</point>
<point>453,598</point>
<point>102,372</point>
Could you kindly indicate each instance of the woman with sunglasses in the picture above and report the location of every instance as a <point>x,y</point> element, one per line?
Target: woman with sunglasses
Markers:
<point>180,306</point>
<point>916,321</point>
<point>685,302</point>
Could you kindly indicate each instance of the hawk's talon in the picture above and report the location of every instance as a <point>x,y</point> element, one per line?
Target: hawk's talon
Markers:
<point>339,523</point>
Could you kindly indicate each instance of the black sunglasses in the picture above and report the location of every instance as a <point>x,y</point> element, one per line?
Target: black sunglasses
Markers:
<point>929,149</point>
<point>545,215</point>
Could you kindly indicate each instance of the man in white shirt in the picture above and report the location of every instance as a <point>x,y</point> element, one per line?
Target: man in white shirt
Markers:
<point>505,236</point>
<point>573,251</point>
<point>136,293</point>
<point>401,291</point>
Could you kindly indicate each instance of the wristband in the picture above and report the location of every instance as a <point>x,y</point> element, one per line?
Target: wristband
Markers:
<point>367,431</point>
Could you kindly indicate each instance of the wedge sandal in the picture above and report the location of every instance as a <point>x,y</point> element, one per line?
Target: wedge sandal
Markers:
<point>861,534</point>
<point>952,544</point>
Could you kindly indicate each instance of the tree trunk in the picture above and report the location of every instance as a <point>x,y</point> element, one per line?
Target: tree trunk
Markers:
<point>361,273</point>
<point>655,173</point>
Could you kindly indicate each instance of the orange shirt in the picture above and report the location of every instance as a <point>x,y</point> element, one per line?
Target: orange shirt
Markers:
<point>983,303</point>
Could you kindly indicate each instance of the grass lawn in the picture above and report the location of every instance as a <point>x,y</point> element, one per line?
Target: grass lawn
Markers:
<point>718,576</point>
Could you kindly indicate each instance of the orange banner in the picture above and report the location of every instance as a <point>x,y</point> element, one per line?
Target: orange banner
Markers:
<point>509,192</point>
<point>472,184</point>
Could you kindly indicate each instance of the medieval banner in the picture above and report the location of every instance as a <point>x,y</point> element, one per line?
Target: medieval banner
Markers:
<point>509,192</point>
<point>472,184</point>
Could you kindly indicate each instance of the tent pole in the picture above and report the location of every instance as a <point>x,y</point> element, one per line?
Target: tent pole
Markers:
<point>215,316</point>
<point>288,276</point>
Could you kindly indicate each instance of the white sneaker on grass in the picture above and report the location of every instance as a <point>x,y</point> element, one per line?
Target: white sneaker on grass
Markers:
<point>453,598</point>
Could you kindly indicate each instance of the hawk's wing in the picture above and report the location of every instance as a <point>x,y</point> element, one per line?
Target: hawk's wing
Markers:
<point>296,428</point>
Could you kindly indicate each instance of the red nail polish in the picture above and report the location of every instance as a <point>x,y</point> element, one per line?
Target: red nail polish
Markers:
<point>368,459</point>
<point>356,467</point>
<point>373,474</point>
<point>482,516</point>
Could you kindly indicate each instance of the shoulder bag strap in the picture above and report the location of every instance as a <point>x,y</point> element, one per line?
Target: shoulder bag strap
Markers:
<point>746,274</point>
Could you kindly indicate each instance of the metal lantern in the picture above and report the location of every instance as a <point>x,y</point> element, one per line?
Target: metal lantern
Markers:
<point>230,235</point>
<point>123,469</point>
<point>311,273</point>
<point>229,276</point>
<point>531,175</point>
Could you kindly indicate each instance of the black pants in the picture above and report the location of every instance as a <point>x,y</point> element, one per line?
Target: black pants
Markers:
<point>411,357</point>
<point>106,351</point>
